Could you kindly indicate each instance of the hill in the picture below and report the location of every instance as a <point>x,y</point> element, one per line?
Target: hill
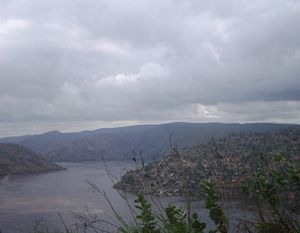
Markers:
<point>17,160</point>
<point>152,141</point>
<point>229,160</point>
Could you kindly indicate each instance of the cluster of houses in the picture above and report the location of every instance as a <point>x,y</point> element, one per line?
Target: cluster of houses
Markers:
<point>229,161</point>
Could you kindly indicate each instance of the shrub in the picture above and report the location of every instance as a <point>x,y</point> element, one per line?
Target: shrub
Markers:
<point>271,187</point>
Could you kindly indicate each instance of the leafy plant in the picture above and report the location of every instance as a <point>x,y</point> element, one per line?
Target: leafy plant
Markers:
<point>216,212</point>
<point>148,221</point>
<point>174,219</point>
<point>272,186</point>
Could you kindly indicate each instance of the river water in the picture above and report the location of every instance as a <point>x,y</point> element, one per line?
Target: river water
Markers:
<point>26,200</point>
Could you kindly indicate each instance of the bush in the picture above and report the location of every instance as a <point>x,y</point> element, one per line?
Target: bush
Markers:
<point>175,219</point>
<point>271,188</point>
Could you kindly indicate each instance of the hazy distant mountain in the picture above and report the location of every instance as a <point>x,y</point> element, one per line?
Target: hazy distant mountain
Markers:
<point>43,142</point>
<point>119,143</point>
<point>18,160</point>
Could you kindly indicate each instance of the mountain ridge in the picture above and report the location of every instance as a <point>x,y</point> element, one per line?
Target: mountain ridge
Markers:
<point>151,141</point>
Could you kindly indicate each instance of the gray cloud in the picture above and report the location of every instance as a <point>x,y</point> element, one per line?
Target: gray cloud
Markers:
<point>76,64</point>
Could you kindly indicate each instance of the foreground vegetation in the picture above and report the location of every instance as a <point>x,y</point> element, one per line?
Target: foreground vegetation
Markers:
<point>275,188</point>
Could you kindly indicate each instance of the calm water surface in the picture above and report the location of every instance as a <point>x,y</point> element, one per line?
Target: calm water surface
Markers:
<point>26,199</point>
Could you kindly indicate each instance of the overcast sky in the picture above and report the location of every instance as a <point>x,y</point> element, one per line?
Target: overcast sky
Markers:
<point>84,64</point>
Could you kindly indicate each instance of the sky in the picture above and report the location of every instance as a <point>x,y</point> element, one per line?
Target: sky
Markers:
<point>71,65</point>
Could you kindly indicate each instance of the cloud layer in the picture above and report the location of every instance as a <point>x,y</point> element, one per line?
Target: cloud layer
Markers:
<point>91,63</point>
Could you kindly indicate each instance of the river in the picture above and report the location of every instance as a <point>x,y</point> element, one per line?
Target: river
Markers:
<point>25,200</point>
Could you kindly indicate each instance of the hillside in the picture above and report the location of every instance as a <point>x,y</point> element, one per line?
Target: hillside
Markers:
<point>17,160</point>
<point>229,160</point>
<point>152,141</point>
